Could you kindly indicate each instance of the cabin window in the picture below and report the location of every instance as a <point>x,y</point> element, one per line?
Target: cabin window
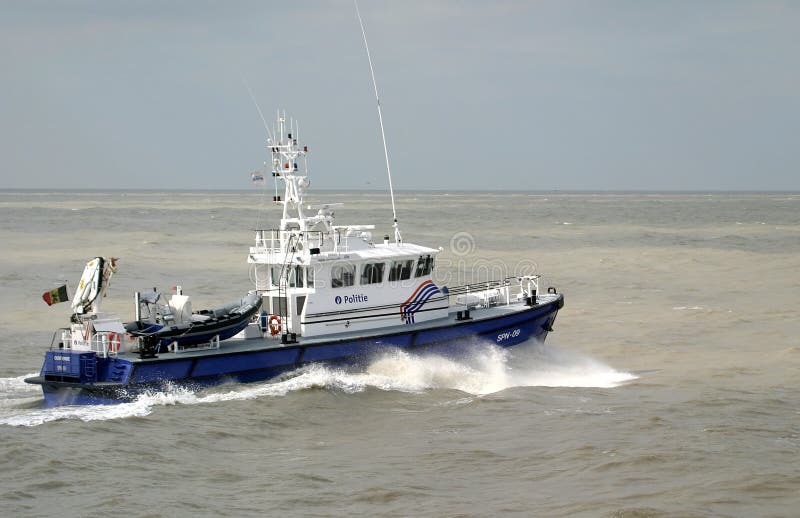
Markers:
<point>424,265</point>
<point>276,275</point>
<point>310,277</point>
<point>277,305</point>
<point>372,273</point>
<point>296,277</point>
<point>343,275</point>
<point>401,270</point>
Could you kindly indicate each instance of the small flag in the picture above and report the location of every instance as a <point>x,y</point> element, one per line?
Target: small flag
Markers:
<point>257,178</point>
<point>55,296</point>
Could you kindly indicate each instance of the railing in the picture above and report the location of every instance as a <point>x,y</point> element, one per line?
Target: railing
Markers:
<point>478,286</point>
<point>105,344</point>
<point>280,242</point>
<point>274,241</point>
<point>527,286</point>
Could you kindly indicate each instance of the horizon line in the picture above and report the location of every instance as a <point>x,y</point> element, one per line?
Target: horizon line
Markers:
<point>382,191</point>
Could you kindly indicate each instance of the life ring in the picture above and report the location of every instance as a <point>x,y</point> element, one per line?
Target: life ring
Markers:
<point>274,325</point>
<point>114,341</point>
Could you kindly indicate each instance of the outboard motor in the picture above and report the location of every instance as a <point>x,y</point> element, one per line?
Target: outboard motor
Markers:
<point>148,346</point>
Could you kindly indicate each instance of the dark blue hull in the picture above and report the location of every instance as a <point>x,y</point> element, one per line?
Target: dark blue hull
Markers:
<point>123,379</point>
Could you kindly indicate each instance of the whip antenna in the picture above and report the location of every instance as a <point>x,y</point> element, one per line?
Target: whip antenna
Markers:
<point>253,97</point>
<point>397,238</point>
<point>270,140</point>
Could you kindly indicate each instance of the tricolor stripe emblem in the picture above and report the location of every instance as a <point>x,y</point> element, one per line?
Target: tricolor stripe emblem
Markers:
<point>424,291</point>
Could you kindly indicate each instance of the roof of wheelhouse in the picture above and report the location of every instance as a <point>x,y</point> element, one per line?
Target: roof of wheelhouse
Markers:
<point>380,251</point>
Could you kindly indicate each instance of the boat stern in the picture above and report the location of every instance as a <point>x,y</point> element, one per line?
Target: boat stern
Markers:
<point>70,377</point>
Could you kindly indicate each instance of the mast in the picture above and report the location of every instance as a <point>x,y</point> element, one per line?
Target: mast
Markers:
<point>397,237</point>
<point>286,154</point>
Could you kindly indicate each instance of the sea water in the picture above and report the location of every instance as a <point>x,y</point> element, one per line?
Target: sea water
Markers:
<point>668,388</point>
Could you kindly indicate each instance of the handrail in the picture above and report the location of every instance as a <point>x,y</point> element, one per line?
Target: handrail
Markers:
<point>466,288</point>
<point>104,343</point>
<point>56,334</point>
<point>527,286</point>
<point>273,240</point>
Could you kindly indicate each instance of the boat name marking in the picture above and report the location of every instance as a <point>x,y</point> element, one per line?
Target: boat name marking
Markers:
<point>502,337</point>
<point>61,358</point>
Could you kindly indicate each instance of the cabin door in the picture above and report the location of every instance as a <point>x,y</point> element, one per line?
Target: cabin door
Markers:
<point>296,307</point>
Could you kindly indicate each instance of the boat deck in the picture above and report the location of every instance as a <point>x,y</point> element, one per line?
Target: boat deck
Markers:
<point>239,345</point>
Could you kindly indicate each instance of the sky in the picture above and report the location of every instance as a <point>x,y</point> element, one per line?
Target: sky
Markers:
<point>476,95</point>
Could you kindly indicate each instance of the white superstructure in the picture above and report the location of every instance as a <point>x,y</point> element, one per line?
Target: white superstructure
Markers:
<point>320,278</point>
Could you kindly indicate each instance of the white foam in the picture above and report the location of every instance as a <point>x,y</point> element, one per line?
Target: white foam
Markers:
<point>483,372</point>
<point>486,370</point>
<point>586,373</point>
<point>15,393</point>
<point>11,387</point>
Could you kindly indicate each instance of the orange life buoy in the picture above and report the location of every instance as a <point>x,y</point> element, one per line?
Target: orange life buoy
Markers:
<point>274,325</point>
<point>113,342</point>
